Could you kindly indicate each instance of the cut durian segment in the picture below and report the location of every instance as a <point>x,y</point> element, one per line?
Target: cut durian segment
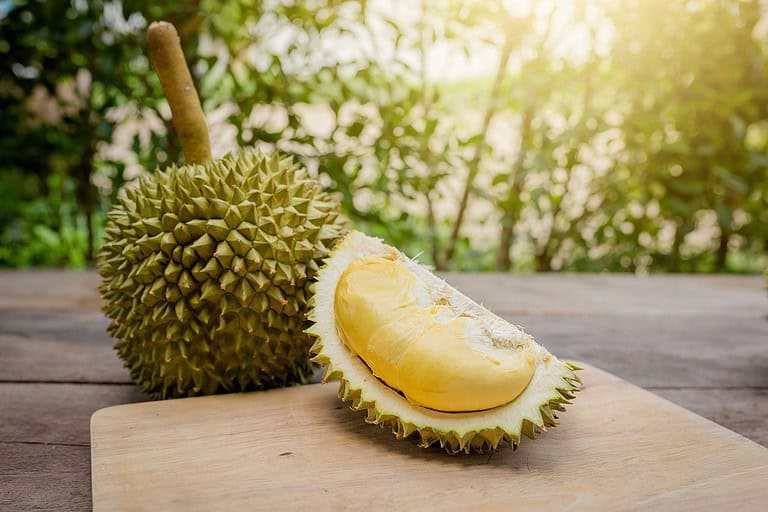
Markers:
<point>417,354</point>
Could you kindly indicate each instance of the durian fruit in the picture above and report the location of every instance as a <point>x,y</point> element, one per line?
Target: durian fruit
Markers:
<point>207,267</point>
<point>423,359</point>
<point>207,270</point>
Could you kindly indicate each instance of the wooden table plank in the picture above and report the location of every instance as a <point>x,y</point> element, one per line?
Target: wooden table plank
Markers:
<point>668,294</point>
<point>57,413</point>
<point>660,351</point>
<point>49,290</point>
<point>669,351</point>
<point>58,346</point>
<point>697,341</point>
<point>606,294</point>
<point>44,477</point>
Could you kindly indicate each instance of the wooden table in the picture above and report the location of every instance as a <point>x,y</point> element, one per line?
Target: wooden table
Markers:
<point>700,341</point>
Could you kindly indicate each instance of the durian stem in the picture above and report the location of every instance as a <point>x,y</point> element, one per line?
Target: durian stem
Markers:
<point>188,118</point>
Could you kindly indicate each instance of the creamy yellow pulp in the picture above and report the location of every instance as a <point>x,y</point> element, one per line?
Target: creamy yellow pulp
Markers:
<point>436,357</point>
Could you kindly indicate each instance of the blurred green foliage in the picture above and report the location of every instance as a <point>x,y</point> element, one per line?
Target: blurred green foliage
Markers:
<point>603,135</point>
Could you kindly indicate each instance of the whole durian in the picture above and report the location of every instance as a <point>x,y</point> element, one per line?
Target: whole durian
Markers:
<point>423,359</point>
<point>207,270</point>
<point>207,267</point>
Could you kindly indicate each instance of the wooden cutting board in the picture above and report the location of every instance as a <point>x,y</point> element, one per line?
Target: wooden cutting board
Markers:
<point>617,448</point>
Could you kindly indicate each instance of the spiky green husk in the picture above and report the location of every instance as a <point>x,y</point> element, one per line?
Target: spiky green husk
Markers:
<point>535,410</point>
<point>207,270</point>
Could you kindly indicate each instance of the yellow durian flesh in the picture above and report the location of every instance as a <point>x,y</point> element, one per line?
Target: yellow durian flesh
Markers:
<point>437,355</point>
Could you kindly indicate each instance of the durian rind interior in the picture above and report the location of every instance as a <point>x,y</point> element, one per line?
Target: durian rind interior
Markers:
<point>550,387</point>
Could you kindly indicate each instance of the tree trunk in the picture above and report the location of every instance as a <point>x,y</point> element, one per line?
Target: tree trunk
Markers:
<point>674,256</point>
<point>86,194</point>
<point>89,253</point>
<point>87,199</point>
<point>474,163</point>
<point>509,217</point>
<point>503,258</point>
<point>543,263</point>
<point>722,251</point>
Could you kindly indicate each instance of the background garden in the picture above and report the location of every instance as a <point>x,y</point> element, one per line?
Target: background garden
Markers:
<point>613,135</point>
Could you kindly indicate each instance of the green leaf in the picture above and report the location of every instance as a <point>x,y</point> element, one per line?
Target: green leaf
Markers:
<point>730,180</point>
<point>724,216</point>
<point>500,178</point>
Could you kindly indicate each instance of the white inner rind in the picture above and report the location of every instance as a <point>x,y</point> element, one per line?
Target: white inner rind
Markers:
<point>550,373</point>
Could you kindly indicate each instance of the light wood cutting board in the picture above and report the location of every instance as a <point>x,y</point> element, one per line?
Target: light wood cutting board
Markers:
<point>617,448</point>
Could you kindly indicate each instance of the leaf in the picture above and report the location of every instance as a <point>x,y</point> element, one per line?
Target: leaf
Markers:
<point>730,180</point>
<point>355,129</point>
<point>724,216</point>
<point>677,207</point>
<point>500,178</point>
<point>688,187</point>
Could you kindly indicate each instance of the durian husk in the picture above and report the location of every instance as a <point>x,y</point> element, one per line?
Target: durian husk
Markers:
<point>206,273</point>
<point>551,388</point>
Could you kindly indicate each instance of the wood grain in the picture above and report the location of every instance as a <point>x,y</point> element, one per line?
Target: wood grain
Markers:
<point>657,331</point>
<point>618,448</point>
<point>49,290</point>
<point>607,294</point>
<point>671,351</point>
<point>660,351</point>
<point>44,477</point>
<point>56,413</point>
<point>539,293</point>
<point>70,346</point>
<point>742,410</point>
